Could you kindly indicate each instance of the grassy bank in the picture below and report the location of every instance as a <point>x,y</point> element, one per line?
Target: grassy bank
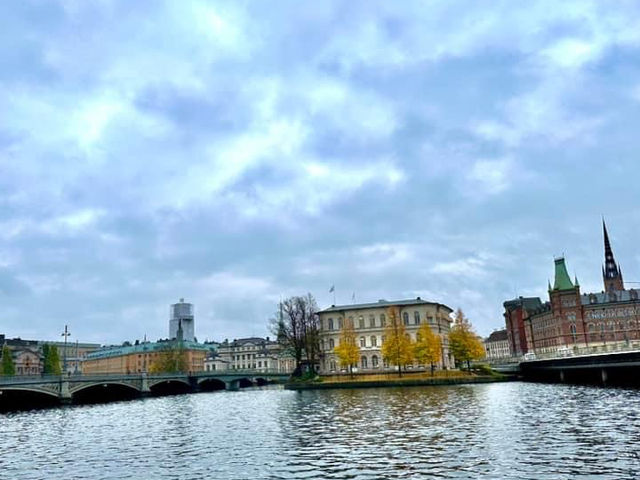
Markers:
<point>447,377</point>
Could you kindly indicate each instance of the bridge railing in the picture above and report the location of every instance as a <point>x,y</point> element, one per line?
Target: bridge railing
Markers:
<point>15,379</point>
<point>579,351</point>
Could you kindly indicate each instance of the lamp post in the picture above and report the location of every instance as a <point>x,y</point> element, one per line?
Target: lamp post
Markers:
<point>65,334</point>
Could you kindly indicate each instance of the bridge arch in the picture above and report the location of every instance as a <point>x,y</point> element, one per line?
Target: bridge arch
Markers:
<point>172,386</point>
<point>26,398</point>
<point>102,392</point>
<point>29,389</point>
<point>211,384</point>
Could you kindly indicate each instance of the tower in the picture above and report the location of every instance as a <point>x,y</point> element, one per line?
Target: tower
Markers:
<point>181,322</point>
<point>611,272</point>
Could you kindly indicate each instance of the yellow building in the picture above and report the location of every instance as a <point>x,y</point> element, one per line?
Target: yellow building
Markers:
<point>140,358</point>
<point>369,320</point>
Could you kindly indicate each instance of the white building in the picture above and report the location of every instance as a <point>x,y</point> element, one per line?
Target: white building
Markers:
<point>369,321</point>
<point>181,316</point>
<point>252,353</point>
<point>496,345</point>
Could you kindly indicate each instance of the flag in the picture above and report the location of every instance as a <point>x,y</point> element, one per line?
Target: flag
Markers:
<point>332,289</point>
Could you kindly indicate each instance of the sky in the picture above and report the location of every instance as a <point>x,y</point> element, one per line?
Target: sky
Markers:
<point>235,153</point>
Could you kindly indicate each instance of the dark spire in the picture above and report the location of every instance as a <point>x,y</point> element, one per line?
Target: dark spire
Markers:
<point>611,272</point>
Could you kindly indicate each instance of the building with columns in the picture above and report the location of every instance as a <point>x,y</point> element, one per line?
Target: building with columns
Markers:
<point>253,353</point>
<point>369,321</point>
<point>571,320</point>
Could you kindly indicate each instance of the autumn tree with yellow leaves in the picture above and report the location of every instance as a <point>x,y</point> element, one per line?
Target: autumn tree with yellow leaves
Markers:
<point>397,348</point>
<point>348,351</point>
<point>428,346</point>
<point>464,344</point>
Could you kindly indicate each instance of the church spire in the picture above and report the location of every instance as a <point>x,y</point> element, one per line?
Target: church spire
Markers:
<point>611,272</point>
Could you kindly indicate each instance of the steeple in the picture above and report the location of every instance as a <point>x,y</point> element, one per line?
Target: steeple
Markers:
<point>562,280</point>
<point>611,272</point>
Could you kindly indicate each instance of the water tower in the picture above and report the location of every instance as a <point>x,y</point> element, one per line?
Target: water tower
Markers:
<point>182,318</point>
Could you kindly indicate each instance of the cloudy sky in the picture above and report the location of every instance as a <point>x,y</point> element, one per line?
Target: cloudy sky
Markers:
<point>234,153</point>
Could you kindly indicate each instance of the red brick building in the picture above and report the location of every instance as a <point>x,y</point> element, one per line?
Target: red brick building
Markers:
<point>571,320</point>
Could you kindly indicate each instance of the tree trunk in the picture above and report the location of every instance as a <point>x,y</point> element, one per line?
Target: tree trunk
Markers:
<point>469,365</point>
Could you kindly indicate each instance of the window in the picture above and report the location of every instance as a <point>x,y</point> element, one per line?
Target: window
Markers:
<point>330,324</point>
<point>416,318</point>
<point>332,343</point>
<point>374,361</point>
<point>430,319</point>
<point>374,341</point>
<point>363,361</point>
<point>340,323</point>
<point>383,320</point>
<point>372,321</point>
<point>360,321</point>
<point>383,339</point>
<point>332,365</point>
<point>363,342</point>
<point>574,333</point>
<point>405,318</point>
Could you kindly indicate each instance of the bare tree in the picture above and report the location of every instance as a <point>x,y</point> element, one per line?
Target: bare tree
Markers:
<point>296,327</point>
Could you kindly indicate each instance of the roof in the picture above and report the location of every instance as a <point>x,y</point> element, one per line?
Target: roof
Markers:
<point>608,297</point>
<point>528,303</point>
<point>382,303</point>
<point>497,336</point>
<point>148,347</point>
<point>562,280</point>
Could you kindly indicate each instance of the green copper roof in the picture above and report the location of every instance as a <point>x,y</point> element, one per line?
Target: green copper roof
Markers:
<point>562,281</point>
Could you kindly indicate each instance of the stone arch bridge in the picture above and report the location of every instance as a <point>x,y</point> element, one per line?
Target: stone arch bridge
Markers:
<point>68,388</point>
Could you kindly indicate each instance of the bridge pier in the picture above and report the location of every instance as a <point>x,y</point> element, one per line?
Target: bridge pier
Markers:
<point>145,391</point>
<point>232,386</point>
<point>65,393</point>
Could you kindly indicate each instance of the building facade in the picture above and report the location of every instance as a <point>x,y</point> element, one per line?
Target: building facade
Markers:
<point>573,321</point>
<point>369,321</point>
<point>25,353</point>
<point>496,345</point>
<point>140,358</point>
<point>252,353</point>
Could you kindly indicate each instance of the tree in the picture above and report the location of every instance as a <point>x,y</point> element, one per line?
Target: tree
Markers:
<point>348,351</point>
<point>8,367</point>
<point>297,329</point>
<point>464,344</point>
<point>396,348</point>
<point>427,347</point>
<point>51,360</point>
<point>172,358</point>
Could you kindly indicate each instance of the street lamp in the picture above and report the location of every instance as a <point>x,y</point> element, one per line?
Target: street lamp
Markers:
<point>65,334</point>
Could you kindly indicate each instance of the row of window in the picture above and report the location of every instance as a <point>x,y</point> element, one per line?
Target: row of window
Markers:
<point>373,341</point>
<point>331,325</point>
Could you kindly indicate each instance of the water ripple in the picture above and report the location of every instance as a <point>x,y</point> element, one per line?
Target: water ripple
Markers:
<point>498,431</point>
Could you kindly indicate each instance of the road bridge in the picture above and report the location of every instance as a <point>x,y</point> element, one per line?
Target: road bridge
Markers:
<point>67,389</point>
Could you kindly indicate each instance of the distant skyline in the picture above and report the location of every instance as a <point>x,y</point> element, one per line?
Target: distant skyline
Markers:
<point>236,153</point>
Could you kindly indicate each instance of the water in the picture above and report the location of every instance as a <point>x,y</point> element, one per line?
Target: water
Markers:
<point>501,431</point>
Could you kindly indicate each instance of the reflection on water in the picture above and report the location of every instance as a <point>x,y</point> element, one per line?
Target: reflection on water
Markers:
<point>502,431</point>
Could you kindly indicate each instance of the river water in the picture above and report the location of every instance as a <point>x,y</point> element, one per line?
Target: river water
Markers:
<point>501,431</point>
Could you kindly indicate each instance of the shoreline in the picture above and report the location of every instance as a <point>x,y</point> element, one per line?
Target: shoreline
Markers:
<point>399,382</point>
